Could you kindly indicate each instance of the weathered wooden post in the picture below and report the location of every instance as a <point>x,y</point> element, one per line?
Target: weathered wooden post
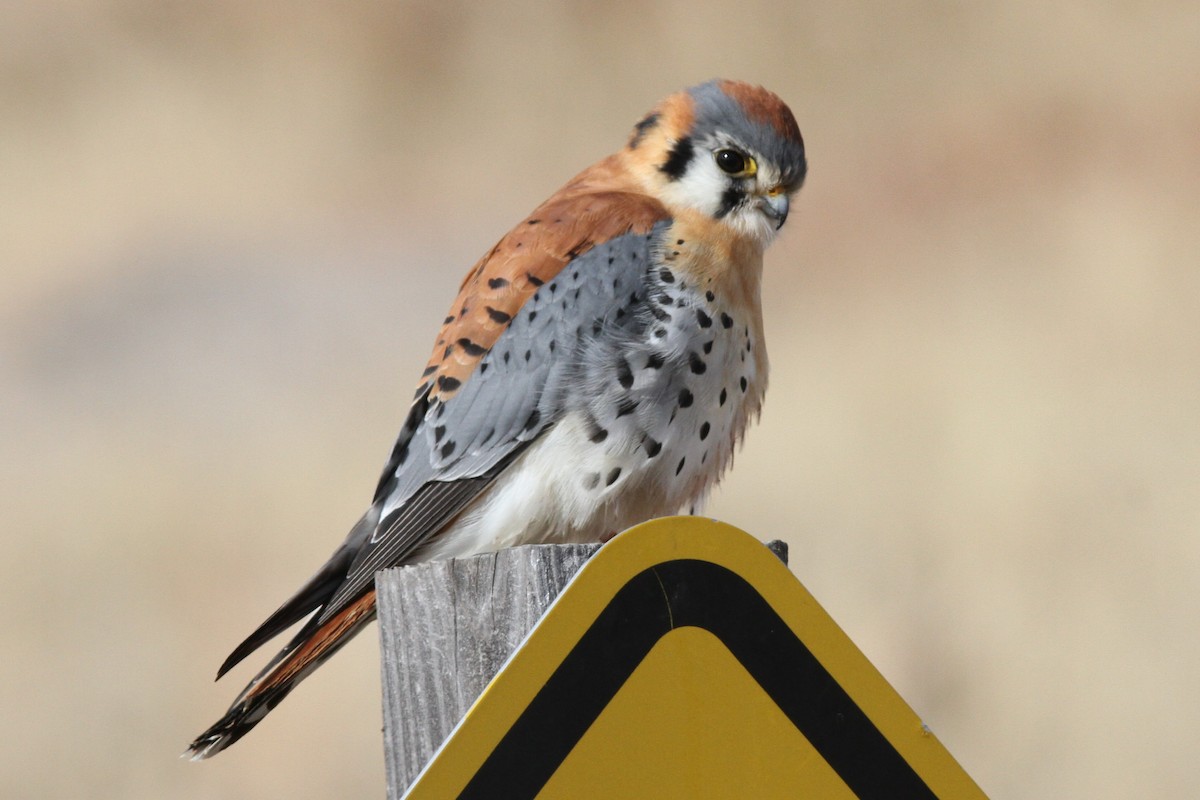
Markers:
<point>446,629</point>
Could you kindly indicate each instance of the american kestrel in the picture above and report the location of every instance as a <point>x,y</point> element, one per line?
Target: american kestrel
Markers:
<point>596,370</point>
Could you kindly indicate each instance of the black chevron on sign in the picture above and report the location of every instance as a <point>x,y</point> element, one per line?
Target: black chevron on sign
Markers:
<point>683,593</point>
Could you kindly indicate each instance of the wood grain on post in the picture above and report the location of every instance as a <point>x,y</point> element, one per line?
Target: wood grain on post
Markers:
<point>446,629</point>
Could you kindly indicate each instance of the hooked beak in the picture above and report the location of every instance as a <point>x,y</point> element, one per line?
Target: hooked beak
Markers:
<point>775,205</point>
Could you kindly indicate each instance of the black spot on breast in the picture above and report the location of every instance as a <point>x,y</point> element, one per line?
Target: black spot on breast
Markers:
<point>685,398</point>
<point>677,160</point>
<point>498,283</point>
<point>724,396</point>
<point>679,466</point>
<point>532,316</point>
<point>696,363</point>
<point>726,321</point>
<point>591,480</point>
<point>529,276</point>
<point>624,374</point>
<point>534,221</point>
<point>666,275</point>
<point>448,320</point>
<point>708,347</point>
<point>704,319</point>
<point>598,434</point>
<point>659,332</point>
<point>448,448</point>
<point>627,406</point>
<point>438,433</point>
<point>448,384</point>
<point>507,356</point>
<point>743,383</point>
<point>659,314</point>
<point>483,367</point>
<point>704,429</point>
<point>679,241</point>
<point>710,296</point>
<point>497,315</point>
<point>528,355</point>
<point>653,446</point>
<point>654,361</point>
<point>612,476</point>
<point>664,299</point>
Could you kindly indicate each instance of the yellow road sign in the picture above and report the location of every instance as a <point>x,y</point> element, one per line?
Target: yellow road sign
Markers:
<point>685,660</point>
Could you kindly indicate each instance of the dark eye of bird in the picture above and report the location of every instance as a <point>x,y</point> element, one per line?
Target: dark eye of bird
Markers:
<point>731,161</point>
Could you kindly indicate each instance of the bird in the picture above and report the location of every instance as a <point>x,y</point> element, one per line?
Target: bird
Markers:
<point>597,369</point>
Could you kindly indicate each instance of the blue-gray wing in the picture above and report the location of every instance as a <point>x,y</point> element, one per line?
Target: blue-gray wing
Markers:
<point>450,452</point>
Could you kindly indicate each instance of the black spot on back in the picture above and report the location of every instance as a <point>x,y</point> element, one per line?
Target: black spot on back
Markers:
<point>470,348</point>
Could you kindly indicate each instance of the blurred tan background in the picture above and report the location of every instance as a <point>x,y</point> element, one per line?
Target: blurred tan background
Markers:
<point>228,230</point>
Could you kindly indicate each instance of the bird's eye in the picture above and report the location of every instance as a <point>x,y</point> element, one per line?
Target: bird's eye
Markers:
<point>735,163</point>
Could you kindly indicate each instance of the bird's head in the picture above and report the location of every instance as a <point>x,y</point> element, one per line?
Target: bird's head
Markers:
<point>729,150</point>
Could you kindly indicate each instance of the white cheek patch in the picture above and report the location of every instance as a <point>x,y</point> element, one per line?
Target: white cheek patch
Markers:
<point>701,186</point>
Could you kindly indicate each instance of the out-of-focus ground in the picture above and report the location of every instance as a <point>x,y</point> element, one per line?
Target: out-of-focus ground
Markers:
<point>228,230</point>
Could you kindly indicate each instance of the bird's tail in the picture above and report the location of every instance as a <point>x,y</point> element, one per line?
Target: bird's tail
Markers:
<point>315,642</point>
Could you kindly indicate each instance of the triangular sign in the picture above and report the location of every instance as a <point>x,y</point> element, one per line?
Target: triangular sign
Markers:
<point>685,660</point>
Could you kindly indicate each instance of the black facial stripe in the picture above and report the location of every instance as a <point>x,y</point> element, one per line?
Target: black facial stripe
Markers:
<point>731,199</point>
<point>678,159</point>
<point>641,129</point>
